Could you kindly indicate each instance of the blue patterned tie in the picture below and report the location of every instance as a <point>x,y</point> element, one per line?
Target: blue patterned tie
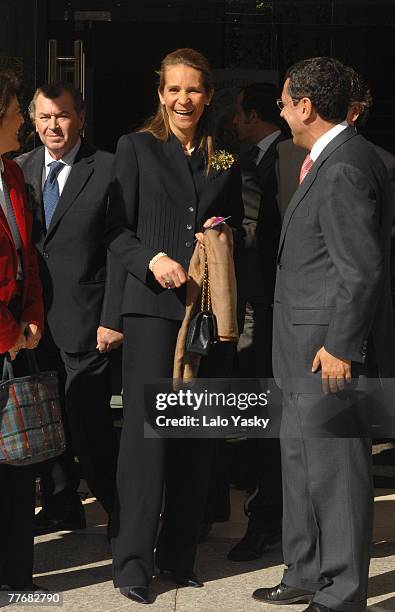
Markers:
<point>51,191</point>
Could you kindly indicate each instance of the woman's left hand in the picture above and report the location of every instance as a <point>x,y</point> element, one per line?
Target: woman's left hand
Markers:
<point>33,335</point>
<point>200,235</point>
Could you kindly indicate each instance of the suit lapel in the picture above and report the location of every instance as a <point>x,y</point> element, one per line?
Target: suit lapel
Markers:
<point>4,224</point>
<point>14,190</point>
<point>3,220</point>
<point>80,173</point>
<point>14,187</point>
<point>181,170</point>
<point>203,181</point>
<point>304,187</point>
<point>33,176</point>
<point>199,172</point>
<point>265,166</point>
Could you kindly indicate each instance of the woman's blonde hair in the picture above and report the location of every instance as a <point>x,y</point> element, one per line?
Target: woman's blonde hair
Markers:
<point>158,125</point>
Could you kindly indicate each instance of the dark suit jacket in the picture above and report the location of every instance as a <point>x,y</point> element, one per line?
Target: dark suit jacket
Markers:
<point>79,294</point>
<point>333,284</point>
<point>158,200</point>
<point>269,221</point>
<point>262,225</point>
<point>289,162</point>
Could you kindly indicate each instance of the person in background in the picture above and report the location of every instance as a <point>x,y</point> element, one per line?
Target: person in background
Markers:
<point>257,123</point>
<point>67,180</point>
<point>358,115</point>
<point>164,190</point>
<point>21,325</point>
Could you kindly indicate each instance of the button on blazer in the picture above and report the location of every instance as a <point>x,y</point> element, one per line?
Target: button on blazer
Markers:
<point>158,200</point>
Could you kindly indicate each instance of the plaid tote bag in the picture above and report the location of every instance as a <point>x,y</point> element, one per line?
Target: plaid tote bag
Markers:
<point>31,427</point>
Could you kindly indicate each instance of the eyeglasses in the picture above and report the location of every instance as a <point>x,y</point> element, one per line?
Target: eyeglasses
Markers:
<point>281,104</point>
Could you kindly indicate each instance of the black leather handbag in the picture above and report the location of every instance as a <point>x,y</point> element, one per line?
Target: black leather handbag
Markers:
<point>202,330</point>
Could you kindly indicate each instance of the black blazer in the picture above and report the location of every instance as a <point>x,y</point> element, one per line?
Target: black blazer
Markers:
<point>262,225</point>
<point>332,284</point>
<point>79,294</point>
<point>158,200</point>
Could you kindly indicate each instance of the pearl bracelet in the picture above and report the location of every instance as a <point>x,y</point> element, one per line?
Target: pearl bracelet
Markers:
<point>155,259</point>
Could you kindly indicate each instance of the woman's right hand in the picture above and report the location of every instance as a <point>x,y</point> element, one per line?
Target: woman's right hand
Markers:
<point>33,335</point>
<point>19,344</point>
<point>169,273</point>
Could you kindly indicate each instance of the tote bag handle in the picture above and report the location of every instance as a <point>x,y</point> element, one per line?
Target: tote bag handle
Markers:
<point>8,370</point>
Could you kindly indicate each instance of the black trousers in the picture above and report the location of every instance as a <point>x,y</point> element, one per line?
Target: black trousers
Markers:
<point>144,465</point>
<point>254,361</point>
<point>17,486</point>
<point>328,508</point>
<point>85,389</point>
<point>17,501</point>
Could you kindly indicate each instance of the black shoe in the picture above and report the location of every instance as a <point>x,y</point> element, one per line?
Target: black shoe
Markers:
<point>282,594</point>
<point>186,579</point>
<point>317,607</point>
<point>138,594</point>
<point>73,518</point>
<point>253,545</point>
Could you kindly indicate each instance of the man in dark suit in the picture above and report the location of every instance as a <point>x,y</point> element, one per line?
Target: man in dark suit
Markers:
<point>67,182</point>
<point>257,123</point>
<point>332,313</point>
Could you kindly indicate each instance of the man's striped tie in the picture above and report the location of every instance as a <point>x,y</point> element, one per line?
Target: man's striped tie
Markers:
<point>306,167</point>
<point>51,191</point>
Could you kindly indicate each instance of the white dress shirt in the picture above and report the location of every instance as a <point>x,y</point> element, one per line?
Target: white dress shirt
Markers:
<point>67,160</point>
<point>326,138</point>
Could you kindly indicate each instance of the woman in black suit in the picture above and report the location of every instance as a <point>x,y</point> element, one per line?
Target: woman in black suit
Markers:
<point>164,190</point>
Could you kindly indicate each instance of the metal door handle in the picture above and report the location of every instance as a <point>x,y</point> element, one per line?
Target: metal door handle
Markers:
<point>75,64</point>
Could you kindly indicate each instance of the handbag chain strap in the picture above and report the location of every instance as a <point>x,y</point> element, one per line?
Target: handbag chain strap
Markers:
<point>205,302</point>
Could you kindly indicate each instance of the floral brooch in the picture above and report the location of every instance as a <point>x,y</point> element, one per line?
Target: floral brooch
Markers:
<point>222,160</point>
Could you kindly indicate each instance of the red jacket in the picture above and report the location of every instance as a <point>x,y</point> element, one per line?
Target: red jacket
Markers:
<point>32,304</point>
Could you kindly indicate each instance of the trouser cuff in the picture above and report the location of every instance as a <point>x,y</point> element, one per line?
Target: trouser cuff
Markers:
<point>301,583</point>
<point>328,600</point>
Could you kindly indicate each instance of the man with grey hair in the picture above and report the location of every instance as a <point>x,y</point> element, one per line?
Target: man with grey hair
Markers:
<point>67,182</point>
